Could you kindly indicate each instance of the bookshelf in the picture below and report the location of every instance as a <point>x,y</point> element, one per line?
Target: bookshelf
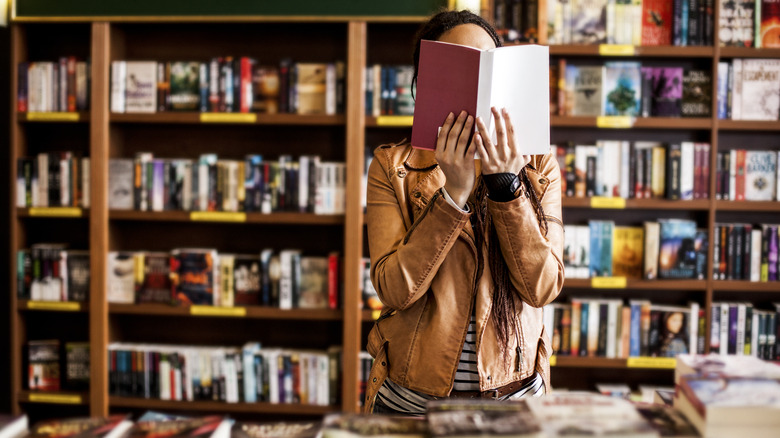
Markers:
<point>360,41</point>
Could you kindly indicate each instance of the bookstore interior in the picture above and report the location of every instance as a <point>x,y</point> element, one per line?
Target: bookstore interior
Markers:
<point>187,245</point>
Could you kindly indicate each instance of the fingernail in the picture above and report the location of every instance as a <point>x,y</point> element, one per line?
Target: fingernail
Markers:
<point>450,115</point>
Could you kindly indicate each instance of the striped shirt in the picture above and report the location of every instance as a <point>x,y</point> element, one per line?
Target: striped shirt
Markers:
<point>412,402</point>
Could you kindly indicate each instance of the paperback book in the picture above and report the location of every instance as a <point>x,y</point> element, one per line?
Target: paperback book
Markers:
<point>621,90</point>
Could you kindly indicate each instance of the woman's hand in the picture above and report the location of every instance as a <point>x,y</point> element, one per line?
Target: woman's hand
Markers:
<point>502,157</point>
<point>455,155</point>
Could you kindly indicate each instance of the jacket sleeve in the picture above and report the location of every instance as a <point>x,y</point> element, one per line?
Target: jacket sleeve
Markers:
<point>404,259</point>
<point>535,260</point>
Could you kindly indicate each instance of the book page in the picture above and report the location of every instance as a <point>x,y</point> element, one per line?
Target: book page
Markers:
<point>519,81</point>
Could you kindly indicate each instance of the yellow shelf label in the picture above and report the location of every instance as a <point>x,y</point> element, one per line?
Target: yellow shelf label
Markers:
<point>63,399</point>
<point>228,117</point>
<point>217,216</point>
<point>608,282</point>
<point>394,120</point>
<point>375,314</point>
<point>614,122</point>
<point>62,306</point>
<point>607,202</point>
<point>553,361</point>
<point>56,211</point>
<point>200,310</point>
<point>652,362</point>
<point>53,117</point>
<point>616,50</point>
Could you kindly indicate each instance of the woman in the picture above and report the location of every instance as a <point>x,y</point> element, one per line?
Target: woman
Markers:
<point>464,254</point>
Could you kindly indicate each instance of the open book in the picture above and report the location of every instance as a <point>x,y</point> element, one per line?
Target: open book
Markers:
<point>452,78</point>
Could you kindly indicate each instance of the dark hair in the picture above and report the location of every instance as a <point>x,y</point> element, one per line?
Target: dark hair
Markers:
<point>442,22</point>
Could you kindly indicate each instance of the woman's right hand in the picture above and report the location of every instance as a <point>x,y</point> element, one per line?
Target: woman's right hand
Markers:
<point>455,155</point>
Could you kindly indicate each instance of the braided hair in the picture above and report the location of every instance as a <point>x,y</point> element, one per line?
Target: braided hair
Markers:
<point>503,309</point>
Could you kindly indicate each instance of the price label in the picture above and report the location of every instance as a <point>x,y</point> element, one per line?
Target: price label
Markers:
<point>199,310</point>
<point>394,120</point>
<point>62,399</point>
<point>553,361</point>
<point>217,216</point>
<point>53,117</point>
<point>616,50</point>
<point>608,282</point>
<point>56,211</point>
<point>614,122</point>
<point>607,202</point>
<point>652,362</point>
<point>59,306</point>
<point>228,118</point>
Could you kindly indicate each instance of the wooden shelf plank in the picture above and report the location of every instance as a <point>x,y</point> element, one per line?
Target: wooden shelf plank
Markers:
<point>639,122</point>
<point>53,212</point>
<point>749,125</point>
<point>746,206</point>
<point>643,204</point>
<point>261,119</point>
<point>254,312</point>
<point>746,52</point>
<point>638,363</point>
<point>644,51</point>
<point>52,306</point>
<point>660,285</point>
<point>746,286</point>
<point>281,218</point>
<point>54,117</point>
<point>54,397</point>
<point>221,407</point>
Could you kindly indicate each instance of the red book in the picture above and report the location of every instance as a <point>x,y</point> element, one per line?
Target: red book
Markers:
<point>453,78</point>
<point>770,24</point>
<point>657,22</point>
<point>333,280</point>
<point>246,85</point>
<point>739,180</point>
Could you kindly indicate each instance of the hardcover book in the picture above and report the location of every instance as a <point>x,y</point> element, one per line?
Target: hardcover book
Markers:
<point>278,429</point>
<point>589,22</point>
<point>474,417</point>
<point>627,252</point>
<point>141,87</point>
<point>314,283</point>
<point>760,89</point>
<point>121,280</point>
<point>697,94</point>
<point>153,278</point>
<point>677,251</point>
<point>769,29</point>
<point>311,87</point>
<point>656,23</point>
<point>120,183</point>
<point>760,175</point>
<point>43,365</point>
<point>114,426</point>
<point>195,276</point>
<point>246,280</point>
<point>185,86</point>
<point>265,83</point>
<point>736,22</point>
<point>584,90</point>
<point>667,91</point>
<point>621,89</point>
<point>453,78</point>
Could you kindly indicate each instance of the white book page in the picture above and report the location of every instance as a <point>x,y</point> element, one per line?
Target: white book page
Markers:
<point>520,83</point>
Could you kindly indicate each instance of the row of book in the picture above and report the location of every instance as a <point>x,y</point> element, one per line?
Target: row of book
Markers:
<point>285,279</point>
<point>516,21</point>
<point>53,179</point>
<point>747,175</point>
<point>740,328</point>
<point>50,272</point>
<point>749,23</point>
<point>53,86</point>
<point>368,293</point>
<point>667,248</point>
<point>636,169</point>
<point>54,365</point>
<point>228,84</point>
<point>747,89</point>
<point>251,373</point>
<point>628,88</point>
<point>210,183</point>
<point>638,23</point>
<point>389,90</point>
<point>613,329</point>
<point>743,251</point>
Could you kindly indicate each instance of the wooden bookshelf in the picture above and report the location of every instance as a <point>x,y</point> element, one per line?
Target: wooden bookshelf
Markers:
<point>747,52</point>
<point>281,218</point>
<point>628,51</point>
<point>230,118</point>
<point>637,204</point>
<point>75,117</point>
<point>746,286</point>
<point>52,306</point>
<point>630,123</point>
<point>254,312</point>
<point>221,407</point>
<point>748,125</point>
<point>54,397</point>
<point>748,206</point>
<point>661,285</point>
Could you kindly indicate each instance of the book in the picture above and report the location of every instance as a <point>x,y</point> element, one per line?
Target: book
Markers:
<point>667,91</point>
<point>669,331</point>
<point>668,421</point>
<point>760,175</point>
<point>452,78</point>
<point>311,87</point>
<point>475,417</point>
<point>736,22</point>
<point>627,251</point>
<point>697,94</point>
<point>584,92</point>
<point>121,279</point>
<point>760,90</point>
<point>114,426</point>
<point>313,293</point>
<point>43,365</point>
<point>141,87</point>
<point>621,90</point>
<point>265,83</point>
<point>76,365</point>
<point>588,22</point>
<point>676,253</point>
<point>120,183</point>
<point>195,276</point>
<point>247,280</point>
<point>78,274</point>
<point>13,426</point>
<point>184,86</point>
<point>277,429</point>
<point>768,30</point>
<point>656,23</point>
<point>153,278</point>
<point>346,425</point>
<point>213,426</point>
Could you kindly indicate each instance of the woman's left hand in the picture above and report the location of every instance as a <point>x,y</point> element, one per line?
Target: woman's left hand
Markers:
<point>502,157</point>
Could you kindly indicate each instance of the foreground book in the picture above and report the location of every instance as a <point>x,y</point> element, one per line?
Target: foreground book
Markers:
<point>13,426</point>
<point>114,426</point>
<point>213,426</point>
<point>369,425</point>
<point>474,417</point>
<point>278,429</point>
<point>453,78</point>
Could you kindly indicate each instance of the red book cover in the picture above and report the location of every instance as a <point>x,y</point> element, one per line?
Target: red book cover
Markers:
<point>739,180</point>
<point>246,85</point>
<point>333,280</point>
<point>657,22</point>
<point>71,89</point>
<point>453,78</point>
<point>770,24</point>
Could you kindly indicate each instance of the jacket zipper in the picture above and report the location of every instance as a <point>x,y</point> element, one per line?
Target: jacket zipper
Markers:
<point>518,350</point>
<point>553,219</point>
<point>425,211</point>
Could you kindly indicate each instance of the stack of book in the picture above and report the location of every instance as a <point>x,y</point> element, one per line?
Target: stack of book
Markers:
<point>60,86</point>
<point>748,89</point>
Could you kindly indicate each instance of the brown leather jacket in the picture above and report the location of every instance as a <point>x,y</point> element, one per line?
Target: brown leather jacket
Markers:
<point>423,265</point>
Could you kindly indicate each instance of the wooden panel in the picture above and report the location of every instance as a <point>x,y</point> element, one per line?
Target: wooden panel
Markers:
<point>749,125</point>
<point>254,312</point>
<point>748,286</point>
<point>744,52</point>
<point>262,119</point>
<point>748,206</point>
<point>659,285</point>
<point>221,407</point>
<point>281,218</point>
<point>640,122</point>
<point>644,204</point>
<point>643,51</point>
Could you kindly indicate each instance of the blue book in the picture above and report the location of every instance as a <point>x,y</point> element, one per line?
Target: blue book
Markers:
<point>584,328</point>
<point>677,249</point>
<point>595,248</point>
<point>634,342</point>
<point>723,90</point>
<point>622,88</point>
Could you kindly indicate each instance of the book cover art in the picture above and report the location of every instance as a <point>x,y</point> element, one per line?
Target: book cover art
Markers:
<point>621,89</point>
<point>278,429</point>
<point>697,94</point>
<point>314,283</point>
<point>246,280</point>
<point>627,252</point>
<point>474,417</point>
<point>668,421</point>
<point>185,86</point>
<point>667,91</point>
<point>656,23</point>
<point>120,183</point>
<point>760,89</point>
<point>78,276</point>
<point>311,87</point>
<point>760,175</point>
<point>769,28</point>
<point>98,427</point>
<point>121,279</point>
<point>43,365</point>
<point>668,331</point>
<point>584,90</point>
<point>76,365</point>
<point>404,101</point>
<point>601,235</point>
<point>736,23</point>
<point>589,22</point>
<point>141,87</point>
<point>367,425</point>
<point>212,426</point>
<point>194,276</point>
<point>153,278</point>
<point>677,251</point>
<point>701,245</point>
<point>265,84</point>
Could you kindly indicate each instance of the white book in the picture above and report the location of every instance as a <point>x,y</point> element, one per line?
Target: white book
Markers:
<point>760,174</point>
<point>141,87</point>
<point>736,91</point>
<point>625,168</point>
<point>330,89</point>
<point>741,314</point>
<point>724,328</point>
<point>607,164</point>
<point>121,281</point>
<point>120,183</point>
<point>287,279</point>
<point>687,158</point>
<point>754,334</point>
<point>755,256</point>
<point>594,308</point>
<point>118,86</point>
<point>165,378</point>
<point>732,174</point>
<point>271,356</point>
<point>652,241</point>
<point>613,308</point>
<point>693,328</point>
<point>43,180</point>
<point>760,98</point>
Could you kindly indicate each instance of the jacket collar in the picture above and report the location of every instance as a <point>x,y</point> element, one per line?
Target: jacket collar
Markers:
<point>420,159</point>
